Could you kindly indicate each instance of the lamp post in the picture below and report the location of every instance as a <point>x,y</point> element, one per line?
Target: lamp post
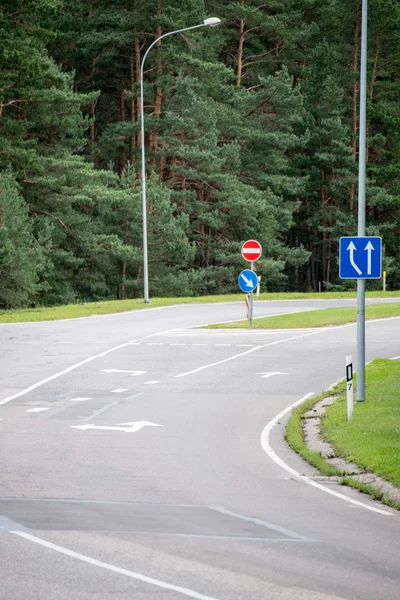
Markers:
<point>361,204</point>
<point>210,22</point>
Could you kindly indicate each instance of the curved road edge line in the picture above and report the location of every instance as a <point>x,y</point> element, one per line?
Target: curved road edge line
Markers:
<point>265,443</point>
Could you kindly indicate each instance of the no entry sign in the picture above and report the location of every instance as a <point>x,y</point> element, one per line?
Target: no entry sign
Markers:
<point>251,250</point>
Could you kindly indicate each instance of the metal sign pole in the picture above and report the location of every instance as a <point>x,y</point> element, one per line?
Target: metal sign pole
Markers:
<point>361,205</point>
<point>251,300</point>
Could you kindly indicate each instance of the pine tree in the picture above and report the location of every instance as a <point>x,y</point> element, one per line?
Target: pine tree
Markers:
<point>21,258</point>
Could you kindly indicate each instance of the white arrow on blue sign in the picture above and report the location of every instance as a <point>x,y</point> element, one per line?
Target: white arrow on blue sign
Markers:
<point>248,280</point>
<point>360,257</point>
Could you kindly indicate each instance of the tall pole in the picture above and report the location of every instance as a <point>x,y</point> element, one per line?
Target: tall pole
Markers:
<point>360,396</point>
<point>211,22</point>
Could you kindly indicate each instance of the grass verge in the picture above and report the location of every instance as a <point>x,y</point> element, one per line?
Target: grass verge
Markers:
<point>72,311</point>
<point>371,439</point>
<point>316,318</point>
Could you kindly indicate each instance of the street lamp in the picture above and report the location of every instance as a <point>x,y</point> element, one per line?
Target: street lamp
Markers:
<point>210,22</point>
<point>361,203</point>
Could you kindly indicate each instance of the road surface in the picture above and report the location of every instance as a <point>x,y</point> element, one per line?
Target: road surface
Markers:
<point>140,458</point>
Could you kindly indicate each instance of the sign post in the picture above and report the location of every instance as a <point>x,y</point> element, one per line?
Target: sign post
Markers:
<point>349,386</point>
<point>251,251</point>
<point>360,258</point>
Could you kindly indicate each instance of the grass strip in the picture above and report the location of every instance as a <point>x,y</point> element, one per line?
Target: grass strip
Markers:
<point>371,439</point>
<point>294,433</point>
<point>88,309</point>
<point>316,318</point>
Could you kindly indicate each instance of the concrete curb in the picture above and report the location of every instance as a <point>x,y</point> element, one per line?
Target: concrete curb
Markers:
<point>315,442</point>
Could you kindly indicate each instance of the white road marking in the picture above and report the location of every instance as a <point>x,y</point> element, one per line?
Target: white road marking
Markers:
<point>155,343</point>
<point>244,345</point>
<point>286,532</point>
<point>220,362</point>
<point>108,567</point>
<point>395,358</point>
<point>222,344</point>
<point>150,382</point>
<point>119,390</point>
<point>125,427</point>
<point>131,373</point>
<point>268,450</point>
<point>80,399</point>
<point>71,368</point>
<point>270,374</point>
<point>38,409</point>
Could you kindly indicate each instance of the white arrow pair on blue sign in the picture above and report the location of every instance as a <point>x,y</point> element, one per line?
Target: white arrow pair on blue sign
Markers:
<point>369,248</point>
<point>360,257</point>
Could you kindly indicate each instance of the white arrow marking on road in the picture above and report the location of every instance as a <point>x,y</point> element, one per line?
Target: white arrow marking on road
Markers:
<point>270,374</point>
<point>126,427</point>
<point>351,247</point>
<point>248,282</point>
<point>132,373</point>
<point>369,247</point>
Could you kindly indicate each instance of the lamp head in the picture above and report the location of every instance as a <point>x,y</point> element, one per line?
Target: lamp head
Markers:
<point>212,21</point>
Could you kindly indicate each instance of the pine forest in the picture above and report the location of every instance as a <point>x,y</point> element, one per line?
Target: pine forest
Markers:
<point>251,132</point>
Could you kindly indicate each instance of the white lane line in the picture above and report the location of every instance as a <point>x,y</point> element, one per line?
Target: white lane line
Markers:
<point>222,344</point>
<point>395,358</point>
<point>119,390</point>
<point>80,399</point>
<point>114,569</point>
<point>287,532</point>
<point>268,450</point>
<point>155,343</point>
<point>38,409</point>
<point>220,362</point>
<point>150,382</point>
<point>72,367</point>
<point>244,345</point>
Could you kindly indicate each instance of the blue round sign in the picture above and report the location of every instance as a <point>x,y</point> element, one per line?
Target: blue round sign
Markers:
<point>248,281</point>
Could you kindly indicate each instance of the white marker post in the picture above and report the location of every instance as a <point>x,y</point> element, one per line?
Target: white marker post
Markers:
<point>349,386</point>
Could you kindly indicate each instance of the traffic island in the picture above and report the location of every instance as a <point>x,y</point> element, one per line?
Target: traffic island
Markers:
<point>362,452</point>
<point>351,474</point>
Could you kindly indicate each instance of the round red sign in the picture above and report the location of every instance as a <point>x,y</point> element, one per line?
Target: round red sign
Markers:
<point>251,250</point>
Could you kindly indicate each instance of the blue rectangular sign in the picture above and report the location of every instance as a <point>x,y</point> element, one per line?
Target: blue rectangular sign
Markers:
<point>360,257</point>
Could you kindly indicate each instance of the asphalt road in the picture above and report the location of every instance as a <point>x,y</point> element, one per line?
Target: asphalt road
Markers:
<point>140,459</point>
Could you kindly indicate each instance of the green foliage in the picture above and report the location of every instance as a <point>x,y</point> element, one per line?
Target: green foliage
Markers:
<point>372,438</point>
<point>250,132</point>
<point>21,258</point>
<point>328,317</point>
